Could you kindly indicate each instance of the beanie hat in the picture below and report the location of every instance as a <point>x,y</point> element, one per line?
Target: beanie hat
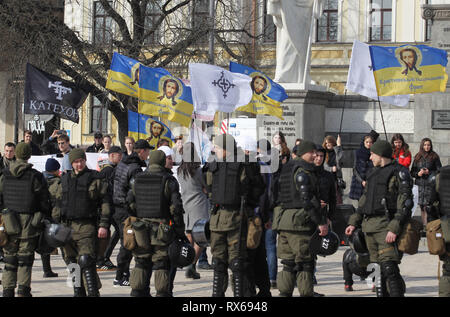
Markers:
<point>382,148</point>
<point>305,147</point>
<point>157,157</point>
<point>223,139</point>
<point>23,151</point>
<point>52,165</point>
<point>76,154</point>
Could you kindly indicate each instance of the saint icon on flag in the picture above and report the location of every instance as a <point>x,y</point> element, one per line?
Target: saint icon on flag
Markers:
<point>411,57</point>
<point>170,90</point>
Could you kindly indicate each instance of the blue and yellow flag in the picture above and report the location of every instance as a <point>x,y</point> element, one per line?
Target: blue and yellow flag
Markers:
<point>267,95</point>
<point>408,69</point>
<point>162,95</point>
<point>123,75</point>
<point>141,126</point>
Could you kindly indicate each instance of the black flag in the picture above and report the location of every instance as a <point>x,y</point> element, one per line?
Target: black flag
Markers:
<point>50,94</point>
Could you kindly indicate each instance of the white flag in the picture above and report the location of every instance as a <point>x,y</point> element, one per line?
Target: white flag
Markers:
<point>216,89</point>
<point>361,80</point>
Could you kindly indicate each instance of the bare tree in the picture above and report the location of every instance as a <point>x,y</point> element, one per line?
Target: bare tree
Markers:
<point>158,33</point>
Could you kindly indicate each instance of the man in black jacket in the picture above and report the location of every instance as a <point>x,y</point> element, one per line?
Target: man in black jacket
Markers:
<point>98,145</point>
<point>107,172</point>
<point>28,138</point>
<point>124,176</point>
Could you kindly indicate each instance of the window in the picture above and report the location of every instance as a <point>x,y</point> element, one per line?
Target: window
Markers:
<point>102,24</point>
<point>327,24</point>
<point>270,30</point>
<point>99,116</point>
<point>201,18</point>
<point>381,17</point>
<point>153,13</point>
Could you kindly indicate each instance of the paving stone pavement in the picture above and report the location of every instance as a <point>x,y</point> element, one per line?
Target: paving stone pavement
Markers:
<point>419,272</point>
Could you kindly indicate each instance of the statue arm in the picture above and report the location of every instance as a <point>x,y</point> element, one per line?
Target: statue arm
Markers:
<point>274,9</point>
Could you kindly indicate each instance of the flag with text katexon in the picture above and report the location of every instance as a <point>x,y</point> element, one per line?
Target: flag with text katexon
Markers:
<point>216,89</point>
<point>49,94</point>
<point>408,69</point>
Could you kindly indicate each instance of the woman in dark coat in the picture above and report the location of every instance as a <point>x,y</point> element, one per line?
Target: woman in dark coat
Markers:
<point>362,166</point>
<point>424,168</point>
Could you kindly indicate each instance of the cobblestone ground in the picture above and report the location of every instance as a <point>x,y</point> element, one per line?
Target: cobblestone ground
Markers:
<point>419,271</point>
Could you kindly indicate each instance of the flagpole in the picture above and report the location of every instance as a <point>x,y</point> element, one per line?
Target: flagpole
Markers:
<point>382,118</point>
<point>343,109</point>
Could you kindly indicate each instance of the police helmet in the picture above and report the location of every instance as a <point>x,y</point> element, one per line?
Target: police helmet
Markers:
<point>181,253</point>
<point>324,245</point>
<point>56,234</point>
<point>357,242</point>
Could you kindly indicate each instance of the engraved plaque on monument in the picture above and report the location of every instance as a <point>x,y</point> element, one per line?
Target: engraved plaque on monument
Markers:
<point>440,119</point>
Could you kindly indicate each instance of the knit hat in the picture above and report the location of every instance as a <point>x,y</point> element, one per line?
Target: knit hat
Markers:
<point>305,147</point>
<point>52,165</point>
<point>23,151</point>
<point>382,148</point>
<point>157,157</point>
<point>76,154</point>
<point>223,139</point>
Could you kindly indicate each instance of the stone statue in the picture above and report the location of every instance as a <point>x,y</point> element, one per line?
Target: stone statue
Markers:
<point>294,22</point>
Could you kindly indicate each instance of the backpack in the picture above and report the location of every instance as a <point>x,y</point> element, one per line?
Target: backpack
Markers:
<point>435,238</point>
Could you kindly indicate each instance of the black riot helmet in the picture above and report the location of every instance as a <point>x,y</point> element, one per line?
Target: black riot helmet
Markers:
<point>56,234</point>
<point>324,245</point>
<point>357,242</point>
<point>181,253</point>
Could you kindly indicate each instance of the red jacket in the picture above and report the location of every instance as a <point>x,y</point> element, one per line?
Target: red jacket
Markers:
<point>402,158</point>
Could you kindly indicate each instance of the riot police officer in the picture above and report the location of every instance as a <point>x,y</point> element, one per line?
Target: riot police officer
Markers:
<point>440,208</point>
<point>80,195</point>
<point>236,187</point>
<point>156,202</point>
<point>383,209</point>
<point>297,216</point>
<point>24,200</point>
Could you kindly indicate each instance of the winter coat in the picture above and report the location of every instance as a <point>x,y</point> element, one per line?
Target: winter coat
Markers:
<point>425,182</point>
<point>361,169</point>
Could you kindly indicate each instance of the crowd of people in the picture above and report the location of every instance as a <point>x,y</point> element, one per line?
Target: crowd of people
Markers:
<point>256,214</point>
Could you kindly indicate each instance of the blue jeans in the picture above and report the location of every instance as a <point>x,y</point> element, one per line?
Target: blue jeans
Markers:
<point>203,257</point>
<point>271,250</point>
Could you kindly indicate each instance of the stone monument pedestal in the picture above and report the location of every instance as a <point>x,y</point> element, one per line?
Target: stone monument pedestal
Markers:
<point>303,113</point>
<point>432,113</point>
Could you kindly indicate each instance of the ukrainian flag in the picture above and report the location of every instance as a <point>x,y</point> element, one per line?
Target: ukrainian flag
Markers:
<point>162,95</point>
<point>267,95</point>
<point>123,75</point>
<point>408,69</point>
<point>141,126</point>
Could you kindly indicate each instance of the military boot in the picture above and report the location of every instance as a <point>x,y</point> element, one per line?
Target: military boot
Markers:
<point>8,292</point>
<point>23,291</point>
<point>444,281</point>
<point>191,272</point>
<point>79,292</point>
